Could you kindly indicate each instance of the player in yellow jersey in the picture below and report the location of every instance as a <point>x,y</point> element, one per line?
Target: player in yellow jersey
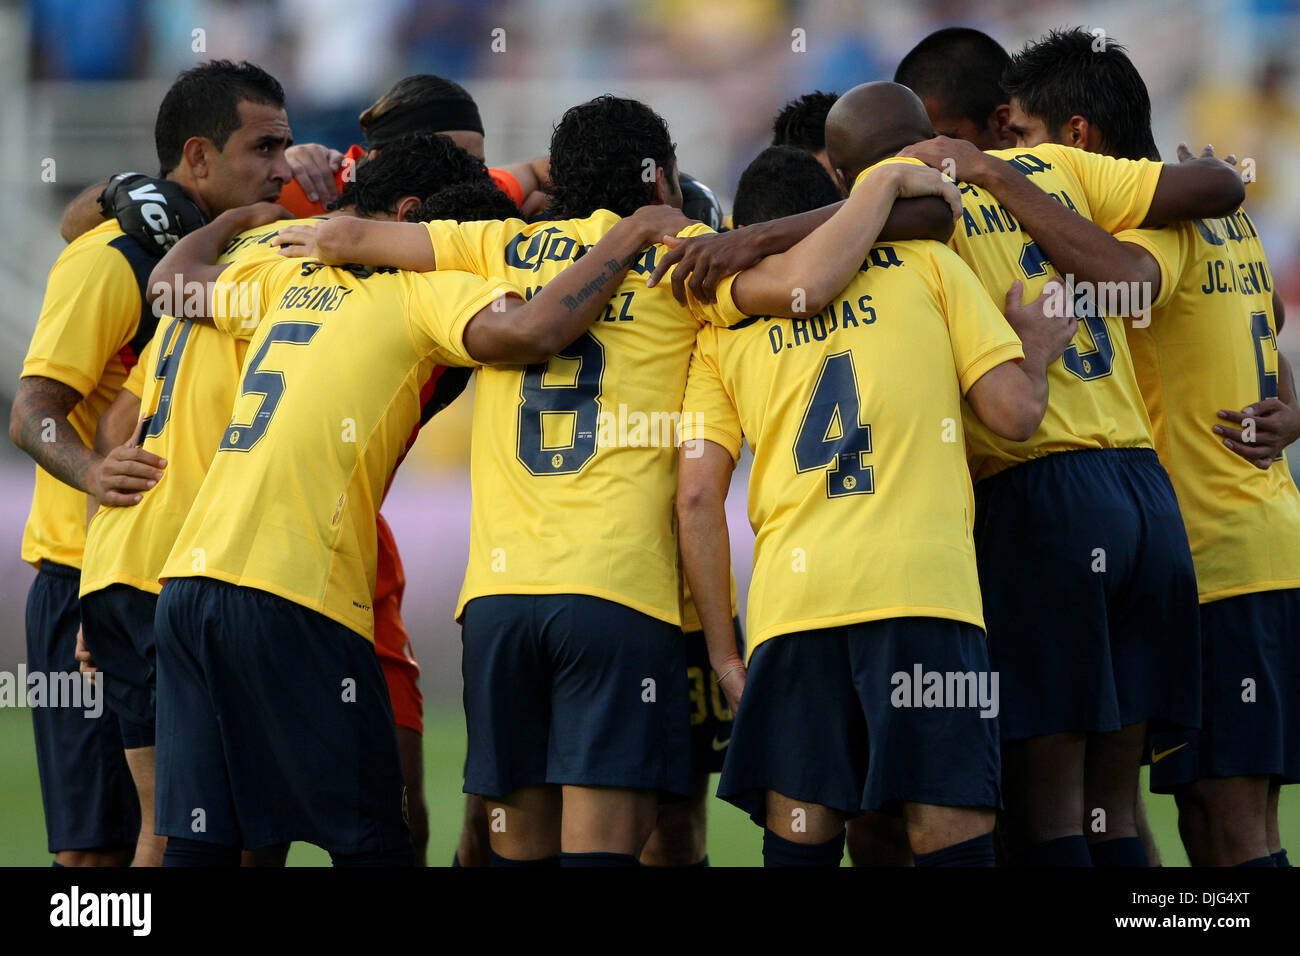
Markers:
<point>1209,345</point>
<point>864,567</point>
<point>1085,503</point>
<point>573,665</point>
<point>272,573</point>
<point>1095,406</point>
<point>221,133</point>
<point>193,372</point>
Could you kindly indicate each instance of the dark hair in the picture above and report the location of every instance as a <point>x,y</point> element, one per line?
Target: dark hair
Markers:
<point>960,68</point>
<point>416,164</point>
<point>204,101</point>
<point>782,181</point>
<point>802,122</point>
<point>468,202</point>
<point>411,91</point>
<point>1065,74</point>
<point>601,151</point>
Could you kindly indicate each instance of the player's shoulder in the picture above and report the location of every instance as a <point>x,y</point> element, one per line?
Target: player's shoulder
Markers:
<point>450,287</point>
<point>106,242</point>
<point>258,239</point>
<point>1049,157</point>
<point>105,256</point>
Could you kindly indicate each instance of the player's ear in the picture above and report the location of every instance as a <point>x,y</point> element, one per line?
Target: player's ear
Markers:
<point>194,155</point>
<point>1000,126</point>
<point>406,208</point>
<point>668,190</point>
<point>1076,132</point>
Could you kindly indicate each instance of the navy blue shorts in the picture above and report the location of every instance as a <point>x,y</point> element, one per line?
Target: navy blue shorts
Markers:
<point>86,787</point>
<point>711,718</point>
<point>1089,594</point>
<point>117,623</point>
<point>273,725</point>
<point>1251,692</point>
<point>573,689</point>
<point>841,717</point>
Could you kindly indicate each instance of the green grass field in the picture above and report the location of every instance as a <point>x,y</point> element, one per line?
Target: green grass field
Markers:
<point>733,839</point>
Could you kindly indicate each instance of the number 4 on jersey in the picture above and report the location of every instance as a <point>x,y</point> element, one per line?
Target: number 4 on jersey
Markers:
<point>832,435</point>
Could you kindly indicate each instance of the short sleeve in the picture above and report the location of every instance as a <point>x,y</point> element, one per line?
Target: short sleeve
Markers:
<point>981,337</point>
<point>472,246</point>
<point>707,410</point>
<point>1118,191</point>
<point>723,311</point>
<point>440,305</point>
<point>248,288</point>
<point>1170,248</point>
<point>91,310</point>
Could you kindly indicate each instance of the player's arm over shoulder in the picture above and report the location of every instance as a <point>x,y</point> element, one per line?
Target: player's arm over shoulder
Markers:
<point>344,239</point>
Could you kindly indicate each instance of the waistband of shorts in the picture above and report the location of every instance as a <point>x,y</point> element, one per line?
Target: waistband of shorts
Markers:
<point>59,570</point>
<point>1136,453</point>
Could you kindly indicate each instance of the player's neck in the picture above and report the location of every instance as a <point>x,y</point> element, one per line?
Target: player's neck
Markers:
<point>180,175</point>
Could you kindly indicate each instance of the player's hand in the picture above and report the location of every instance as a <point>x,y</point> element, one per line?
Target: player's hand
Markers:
<point>955,158</point>
<point>315,166</point>
<point>733,681</point>
<point>298,241</point>
<point>1044,333</point>
<point>912,181</point>
<point>534,205</point>
<point>704,261</point>
<point>156,213</point>
<point>1273,423</point>
<point>1207,152</point>
<point>120,477</point>
<point>85,663</point>
<point>659,222</point>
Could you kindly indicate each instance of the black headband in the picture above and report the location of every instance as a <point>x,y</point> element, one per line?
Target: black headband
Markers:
<point>432,116</point>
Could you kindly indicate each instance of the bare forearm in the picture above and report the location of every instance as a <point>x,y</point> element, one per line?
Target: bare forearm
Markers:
<point>82,213</point>
<point>1202,188</point>
<point>823,263</point>
<point>564,308</point>
<point>918,217</point>
<point>706,562</point>
<point>1285,380</point>
<point>1075,245</point>
<point>39,426</point>
<point>402,245</point>
<point>194,259</point>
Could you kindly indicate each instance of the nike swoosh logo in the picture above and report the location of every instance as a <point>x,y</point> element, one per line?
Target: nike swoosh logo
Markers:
<point>1157,757</point>
<point>723,744</point>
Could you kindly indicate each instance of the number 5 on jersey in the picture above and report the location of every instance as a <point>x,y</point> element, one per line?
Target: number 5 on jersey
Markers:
<point>267,382</point>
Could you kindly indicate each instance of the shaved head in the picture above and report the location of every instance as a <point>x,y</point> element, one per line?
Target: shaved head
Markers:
<point>871,122</point>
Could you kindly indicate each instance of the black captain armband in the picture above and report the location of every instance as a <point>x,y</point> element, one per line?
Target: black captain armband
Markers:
<point>153,212</point>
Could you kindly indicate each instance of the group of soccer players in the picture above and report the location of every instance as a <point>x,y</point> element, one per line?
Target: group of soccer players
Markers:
<point>1012,541</point>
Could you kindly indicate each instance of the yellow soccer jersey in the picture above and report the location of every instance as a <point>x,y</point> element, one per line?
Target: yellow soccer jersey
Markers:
<point>93,325</point>
<point>328,402</point>
<point>859,496</point>
<point>1211,344</point>
<point>1095,401</point>
<point>573,462</point>
<point>186,383</point>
